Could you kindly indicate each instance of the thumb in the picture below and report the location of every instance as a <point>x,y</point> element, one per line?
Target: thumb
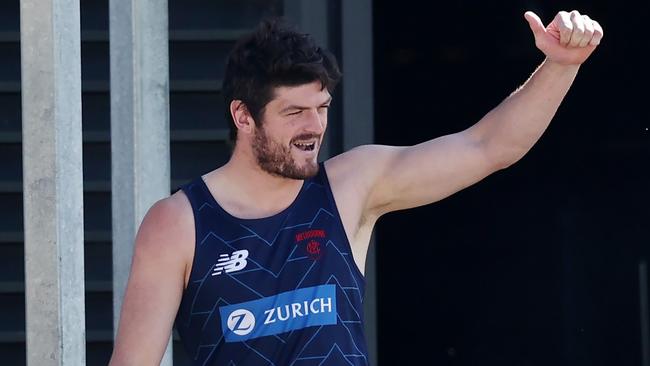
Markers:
<point>535,23</point>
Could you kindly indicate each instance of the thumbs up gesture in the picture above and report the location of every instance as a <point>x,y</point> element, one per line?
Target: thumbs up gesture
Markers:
<point>569,39</point>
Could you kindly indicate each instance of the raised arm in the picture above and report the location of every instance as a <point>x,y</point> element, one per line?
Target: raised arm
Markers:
<point>396,178</point>
<point>163,251</point>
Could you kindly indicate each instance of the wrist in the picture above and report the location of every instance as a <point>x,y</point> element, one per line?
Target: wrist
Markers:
<point>560,67</point>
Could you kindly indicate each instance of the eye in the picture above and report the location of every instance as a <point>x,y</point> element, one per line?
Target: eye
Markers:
<point>294,113</point>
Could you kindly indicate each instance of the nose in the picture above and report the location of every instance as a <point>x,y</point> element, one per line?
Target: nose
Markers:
<point>316,121</point>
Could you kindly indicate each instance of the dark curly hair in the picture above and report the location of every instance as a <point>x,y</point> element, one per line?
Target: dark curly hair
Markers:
<point>274,54</point>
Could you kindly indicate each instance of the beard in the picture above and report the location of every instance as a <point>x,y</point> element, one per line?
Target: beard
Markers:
<point>277,160</point>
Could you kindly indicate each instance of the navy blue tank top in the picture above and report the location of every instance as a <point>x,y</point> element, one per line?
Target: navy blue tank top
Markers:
<point>281,290</point>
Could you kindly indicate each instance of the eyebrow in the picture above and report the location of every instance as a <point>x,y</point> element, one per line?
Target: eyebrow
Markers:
<point>293,106</point>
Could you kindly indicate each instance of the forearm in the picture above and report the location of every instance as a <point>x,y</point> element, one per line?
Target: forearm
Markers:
<point>508,131</point>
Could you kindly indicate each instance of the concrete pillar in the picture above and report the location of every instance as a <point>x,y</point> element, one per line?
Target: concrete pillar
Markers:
<point>139,126</point>
<point>52,182</point>
<point>358,122</point>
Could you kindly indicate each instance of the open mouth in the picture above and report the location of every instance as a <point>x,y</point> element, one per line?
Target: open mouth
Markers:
<point>305,146</point>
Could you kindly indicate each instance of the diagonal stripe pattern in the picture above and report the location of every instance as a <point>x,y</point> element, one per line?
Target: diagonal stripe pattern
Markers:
<point>302,247</point>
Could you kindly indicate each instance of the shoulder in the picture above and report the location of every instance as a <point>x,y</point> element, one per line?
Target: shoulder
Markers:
<point>175,209</point>
<point>354,177</point>
<point>168,228</point>
<point>360,166</point>
<point>170,215</point>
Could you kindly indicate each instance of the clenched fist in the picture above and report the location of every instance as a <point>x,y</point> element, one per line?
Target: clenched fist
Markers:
<point>569,39</point>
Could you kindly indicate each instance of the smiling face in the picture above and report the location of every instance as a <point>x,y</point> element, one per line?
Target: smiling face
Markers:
<point>287,140</point>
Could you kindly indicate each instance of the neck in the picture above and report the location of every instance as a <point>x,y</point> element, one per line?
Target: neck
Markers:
<point>244,190</point>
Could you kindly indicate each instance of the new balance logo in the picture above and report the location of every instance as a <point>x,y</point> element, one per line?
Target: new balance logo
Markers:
<point>231,263</point>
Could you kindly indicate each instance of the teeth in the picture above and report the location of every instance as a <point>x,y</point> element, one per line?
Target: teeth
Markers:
<point>305,146</point>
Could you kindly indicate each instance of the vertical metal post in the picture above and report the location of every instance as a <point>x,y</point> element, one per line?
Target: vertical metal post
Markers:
<point>357,89</point>
<point>358,126</point>
<point>311,17</point>
<point>139,61</point>
<point>644,304</point>
<point>358,122</point>
<point>52,181</point>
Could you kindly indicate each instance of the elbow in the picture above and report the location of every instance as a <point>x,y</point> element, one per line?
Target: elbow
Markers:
<point>499,164</point>
<point>498,154</point>
<point>505,157</point>
<point>507,161</point>
<point>504,164</point>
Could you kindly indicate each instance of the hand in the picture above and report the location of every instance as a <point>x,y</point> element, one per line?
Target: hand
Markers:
<point>569,39</point>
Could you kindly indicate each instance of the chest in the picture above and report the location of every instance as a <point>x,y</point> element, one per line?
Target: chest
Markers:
<point>260,259</point>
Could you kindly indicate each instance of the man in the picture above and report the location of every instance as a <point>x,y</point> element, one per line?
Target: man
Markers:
<point>260,262</point>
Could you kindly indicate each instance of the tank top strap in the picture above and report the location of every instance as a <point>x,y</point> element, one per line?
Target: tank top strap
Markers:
<point>323,180</point>
<point>199,196</point>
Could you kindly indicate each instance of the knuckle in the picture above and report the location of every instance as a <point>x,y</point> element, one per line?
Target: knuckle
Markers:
<point>566,27</point>
<point>597,27</point>
<point>564,17</point>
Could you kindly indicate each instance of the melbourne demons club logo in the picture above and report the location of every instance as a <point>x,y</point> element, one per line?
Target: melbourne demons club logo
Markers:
<point>311,241</point>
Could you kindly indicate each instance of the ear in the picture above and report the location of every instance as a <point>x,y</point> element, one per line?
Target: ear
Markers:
<point>241,116</point>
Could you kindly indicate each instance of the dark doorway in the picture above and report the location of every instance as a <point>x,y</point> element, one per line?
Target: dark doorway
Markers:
<point>538,264</point>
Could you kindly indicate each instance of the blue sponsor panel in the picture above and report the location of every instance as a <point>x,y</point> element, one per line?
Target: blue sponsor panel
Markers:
<point>281,313</point>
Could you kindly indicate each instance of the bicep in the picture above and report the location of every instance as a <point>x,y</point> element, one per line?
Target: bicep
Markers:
<point>428,172</point>
<point>153,293</point>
